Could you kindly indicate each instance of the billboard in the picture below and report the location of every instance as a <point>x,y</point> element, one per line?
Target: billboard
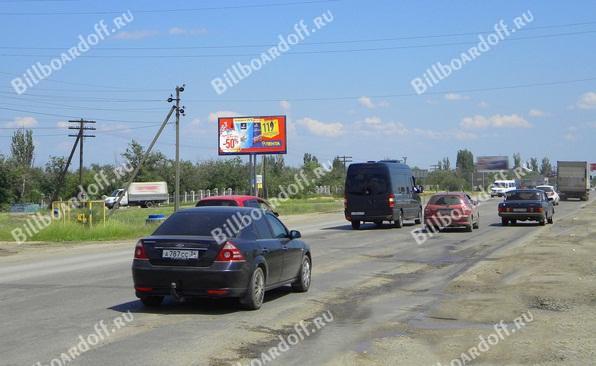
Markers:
<point>593,167</point>
<point>251,135</point>
<point>492,163</point>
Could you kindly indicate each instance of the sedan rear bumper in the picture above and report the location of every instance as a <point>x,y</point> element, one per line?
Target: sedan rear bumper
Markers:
<point>523,216</point>
<point>218,280</point>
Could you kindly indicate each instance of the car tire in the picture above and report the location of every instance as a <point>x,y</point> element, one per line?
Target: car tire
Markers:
<point>355,224</point>
<point>513,222</point>
<point>148,204</point>
<point>255,293</point>
<point>542,222</point>
<point>151,301</point>
<point>302,283</point>
<point>470,226</point>
<point>477,224</point>
<point>379,223</point>
<point>399,222</point>
<point>418,219</point>
<point>504,222</point>
<point>550,219</point>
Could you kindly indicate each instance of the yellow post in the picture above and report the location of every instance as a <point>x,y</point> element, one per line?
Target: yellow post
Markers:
<point>90,214</point>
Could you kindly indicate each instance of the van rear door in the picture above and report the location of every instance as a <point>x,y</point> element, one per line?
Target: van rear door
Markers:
<point>367,191</point>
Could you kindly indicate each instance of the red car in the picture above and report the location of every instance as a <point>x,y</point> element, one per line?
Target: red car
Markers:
<point>451,209</point>
<point>237,201</point>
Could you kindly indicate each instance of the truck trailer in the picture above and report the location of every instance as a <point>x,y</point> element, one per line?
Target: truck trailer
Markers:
<point>573,179</point>
<point>144,194</point>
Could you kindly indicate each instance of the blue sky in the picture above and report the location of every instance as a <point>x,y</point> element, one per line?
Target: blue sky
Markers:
<point>349,102</point>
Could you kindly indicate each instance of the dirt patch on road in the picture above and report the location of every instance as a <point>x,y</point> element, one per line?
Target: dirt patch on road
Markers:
<point>552,277</point>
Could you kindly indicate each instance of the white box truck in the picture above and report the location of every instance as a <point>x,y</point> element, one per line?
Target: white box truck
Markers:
<point>144,194</point>
<point>573,179</point>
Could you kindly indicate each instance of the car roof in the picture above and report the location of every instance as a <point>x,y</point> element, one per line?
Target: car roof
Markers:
<point>450,194</point>
<point>237,198</point>
<point>545,185</point>
<point>217,209</point>
<point>526,190</point>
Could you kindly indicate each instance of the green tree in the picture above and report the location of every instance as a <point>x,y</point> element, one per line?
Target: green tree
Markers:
<point>22,152</point>
<point>516,160</point>
<point>534,165</point>
<point>446,164</point>
<point>546,168</point>
<point>464,163</point>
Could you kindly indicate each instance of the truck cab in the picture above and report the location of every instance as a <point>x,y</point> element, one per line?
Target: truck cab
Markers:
<point>111,200</point>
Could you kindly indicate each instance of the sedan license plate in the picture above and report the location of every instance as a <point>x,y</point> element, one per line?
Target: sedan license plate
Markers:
<point>445,212</point>
<point>180,254</point>
<point>358,213</point>
<point>520,210</point>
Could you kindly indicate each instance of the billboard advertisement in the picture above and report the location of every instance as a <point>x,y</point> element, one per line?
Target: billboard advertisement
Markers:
<point>252,135</point>
<point>492,163</point>
<point>593,167</point>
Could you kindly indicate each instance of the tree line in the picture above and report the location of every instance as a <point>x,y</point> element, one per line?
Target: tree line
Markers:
<point>21,181</point>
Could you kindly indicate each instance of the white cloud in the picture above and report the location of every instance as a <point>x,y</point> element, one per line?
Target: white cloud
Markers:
<point>62,124</point>
<point>22,122</point>
<point>587,101</point>
<point>319,128</point>
<point>376,125</point>
<point>213,116</point>
<point>495,121</point>
<point>536,113</point>
<point>367,102</point>
<point>285,105</point>
<point>483,104</point>
<point>178,31</point>
<point>136,35</point>
<point>455,97</point>
<point>443,135</point>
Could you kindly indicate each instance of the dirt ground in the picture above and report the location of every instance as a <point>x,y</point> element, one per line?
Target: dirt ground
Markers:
<point>550,278</point>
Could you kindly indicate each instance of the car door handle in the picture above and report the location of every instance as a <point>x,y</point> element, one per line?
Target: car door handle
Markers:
<point>285,247</point>
<point>265,251</point>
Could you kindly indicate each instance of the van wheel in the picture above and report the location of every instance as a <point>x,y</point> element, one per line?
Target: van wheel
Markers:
<point>148,204</point>
<point>355,224</point>
<point>504,221</point>
<point>399,222</point>
<point>418,219</point>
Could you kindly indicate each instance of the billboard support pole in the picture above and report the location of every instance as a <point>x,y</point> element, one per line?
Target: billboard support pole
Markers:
<point>265,192</point>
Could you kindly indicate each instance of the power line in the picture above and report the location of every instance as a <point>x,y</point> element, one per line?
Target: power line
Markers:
<point>314,52</point>
<point>344,41</point>
<point>161,11</point>
<point>69,116</point>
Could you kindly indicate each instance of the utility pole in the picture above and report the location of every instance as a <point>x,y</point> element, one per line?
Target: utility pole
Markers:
<point>345,159</point>
<point>405,159</point>
<point>81,137</point>
<point>179,111</point>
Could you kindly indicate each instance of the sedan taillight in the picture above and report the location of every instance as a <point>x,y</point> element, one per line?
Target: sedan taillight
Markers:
<point>229,253</point>
<point>140,251</point>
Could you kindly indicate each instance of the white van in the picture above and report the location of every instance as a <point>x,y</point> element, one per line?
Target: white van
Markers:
<point>501,187</point>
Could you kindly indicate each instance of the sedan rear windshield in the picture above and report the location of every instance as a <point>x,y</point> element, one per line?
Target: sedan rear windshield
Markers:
<point>445,200</point>
<point>193,223</point>
<point>524,196</point>
<point>367,182</point>
<point>216,203</point>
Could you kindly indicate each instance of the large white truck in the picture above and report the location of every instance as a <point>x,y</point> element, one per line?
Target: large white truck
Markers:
<point>144,194</point>
<point>573,179</point>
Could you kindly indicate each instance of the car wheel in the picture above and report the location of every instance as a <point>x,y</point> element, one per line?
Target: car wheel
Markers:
<point>399,222</point>
<point>542,222</point>
<point>148,204</point>
<point>302,284</point>
<point>470,226</point>
<point>418,220</point>
<point>256,291</point>
<point>513,222</point>
<point>550,219</point>
<point>477,223</point>
<point>504,222</point>
<point>355,224</point>
<point>379,223</point>
<point>151,301</point>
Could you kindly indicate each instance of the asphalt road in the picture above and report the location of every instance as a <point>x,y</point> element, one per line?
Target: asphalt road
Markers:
<point>367,279</point>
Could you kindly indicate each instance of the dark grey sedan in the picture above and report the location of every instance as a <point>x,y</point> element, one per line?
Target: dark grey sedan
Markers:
<point>220,252</point>
<point>526,205</point>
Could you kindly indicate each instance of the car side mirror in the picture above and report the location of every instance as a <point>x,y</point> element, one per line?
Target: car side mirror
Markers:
<point>551,198</point>
<point>275,213</point>
<point>295,234</point>
<point>419,189</point>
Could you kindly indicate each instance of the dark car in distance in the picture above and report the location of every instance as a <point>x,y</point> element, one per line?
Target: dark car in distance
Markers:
<point>381,191</point>
<point>526,205</point>
<point>251,252</point>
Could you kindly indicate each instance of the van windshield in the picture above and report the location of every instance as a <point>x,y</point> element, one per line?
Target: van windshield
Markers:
<point>366,182</point>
